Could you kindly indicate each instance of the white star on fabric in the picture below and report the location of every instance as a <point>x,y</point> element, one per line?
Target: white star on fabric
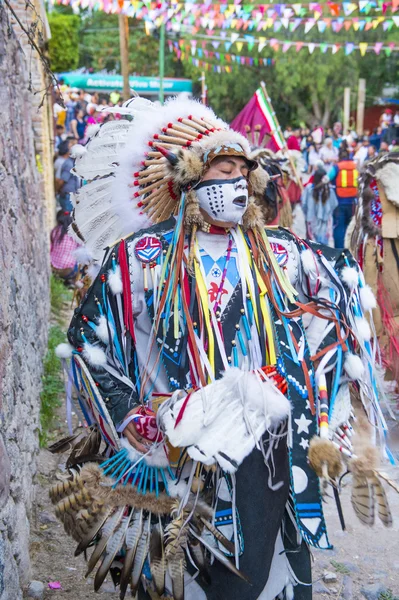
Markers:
<point>304,443</point>
<point>307,404</point>
<point>303,424</point>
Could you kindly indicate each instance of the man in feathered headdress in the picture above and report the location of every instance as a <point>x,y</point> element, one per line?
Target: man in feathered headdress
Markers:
<point>213,356</point>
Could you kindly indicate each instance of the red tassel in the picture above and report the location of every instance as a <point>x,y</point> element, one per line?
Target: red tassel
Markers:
<point>182,410</point>
<point>127,292</point>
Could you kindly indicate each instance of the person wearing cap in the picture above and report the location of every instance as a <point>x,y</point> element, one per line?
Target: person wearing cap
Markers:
<point>207,354</point>
<point>386,118</point>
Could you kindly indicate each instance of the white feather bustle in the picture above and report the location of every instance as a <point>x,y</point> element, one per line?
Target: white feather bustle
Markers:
<point>115,280</point>
<point>64,350</point>
<point>367,298</point>
<point>94,355</point>
<point>308,262</point>
<point>362,329</point>
<point>157,456</point>
<point>353,366</point>
<point>91,130</point>
<point>93,270</point>
<point>77,150</point>
<point>350,276</point>
<point>102,329</point>
<point>82,255</point>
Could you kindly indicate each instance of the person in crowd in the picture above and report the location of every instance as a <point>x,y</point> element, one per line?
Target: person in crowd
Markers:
<point>63,153</point>
<point>344,176</point>
<point>82,102</point>
<point>92,118</point>
<point>62,249</point>
<point>114,97</point>
<point>319,202</point>
<point>60,136</point>
<point>362,152</point>
<point>71,105</point>
<point>375,138</point>
<point>313,156</point>
<point>328,154</point>
<point>371,153</point>
<point>386,118</point>
<point>294,140</point>
<point>68,183</point>
<point>78,125</point>
<point>384,147</point>
<point>318,134</point>
<point>337,134</point>
<point>287,132</point>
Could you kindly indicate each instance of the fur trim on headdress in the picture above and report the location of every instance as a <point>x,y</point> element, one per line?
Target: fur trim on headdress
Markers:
<point>258,180</point>
<point>189,168</point>
<point>192,215</point>
<point>253,216</point>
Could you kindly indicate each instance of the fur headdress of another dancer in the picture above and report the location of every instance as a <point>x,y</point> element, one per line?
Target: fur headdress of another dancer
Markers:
<point>137,170</point>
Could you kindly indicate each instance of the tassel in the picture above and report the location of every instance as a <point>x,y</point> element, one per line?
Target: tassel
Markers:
<point>353,366</point>
<point>94,355</point>
<point>115,280</point>
<point>350,276</point>
<point>367,298</point>
<point>64,351</point>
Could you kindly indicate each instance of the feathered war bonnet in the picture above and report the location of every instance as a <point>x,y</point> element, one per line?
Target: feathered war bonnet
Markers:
<point>169,149</point>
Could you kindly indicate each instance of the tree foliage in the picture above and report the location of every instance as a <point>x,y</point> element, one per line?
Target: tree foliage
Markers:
<point>63,45</point>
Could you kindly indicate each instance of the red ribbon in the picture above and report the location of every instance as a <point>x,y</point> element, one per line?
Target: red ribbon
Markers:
<point>127,292</point>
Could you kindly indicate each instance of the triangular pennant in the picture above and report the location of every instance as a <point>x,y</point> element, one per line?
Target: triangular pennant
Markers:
<point>286,46</point>
<point>298,46</point>
<point>363,48</point>
<point>311,48</point>
<point>349,47</point>
<point>377,47</point>
<point>309,24</point>
<point>262,44</point>
<point>323,48</point>
<point>335,48</point>
<point>239,46</point>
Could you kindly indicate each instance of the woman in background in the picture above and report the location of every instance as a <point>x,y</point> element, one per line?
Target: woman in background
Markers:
<point>62,250</point>
<point>319,202</point>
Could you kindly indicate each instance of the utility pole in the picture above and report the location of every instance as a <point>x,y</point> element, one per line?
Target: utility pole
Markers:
<point>124,49</point>
<point>161,61</point>
<point>361,98</point>
<point>347,109</point>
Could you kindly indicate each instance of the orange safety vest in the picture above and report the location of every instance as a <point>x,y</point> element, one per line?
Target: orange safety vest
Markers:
<point>346,184</point>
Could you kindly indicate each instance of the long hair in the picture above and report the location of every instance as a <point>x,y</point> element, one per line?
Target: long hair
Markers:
<point>321,190</point>
<point>64,220</point>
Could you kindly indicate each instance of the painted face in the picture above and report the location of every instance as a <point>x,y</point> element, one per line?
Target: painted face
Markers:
<point>224,200</point>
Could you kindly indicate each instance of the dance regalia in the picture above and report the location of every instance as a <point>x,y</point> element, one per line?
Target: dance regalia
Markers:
<point>242,347</point>
<point>373,236</point>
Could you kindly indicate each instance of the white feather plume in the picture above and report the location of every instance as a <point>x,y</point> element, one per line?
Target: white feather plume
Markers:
<point>82,255</point>
<point>94,355</point>
<point>77,151</point>
<point>102,329</point>
<point>308,262</point>
<point>115,280</point>
<point>64,350</point>
<point>353,366</point>
<point>342,407</point>
<point>362,329</point>
<point>225,419</point>
<point>156,457</point>
<point>93,270</point>
<point>350,276</point>
<point>91,130</point>
<point>367,298</point>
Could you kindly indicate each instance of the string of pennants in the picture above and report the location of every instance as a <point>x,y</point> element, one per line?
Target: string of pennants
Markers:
<point>186,52</point>
<point>198,48</point>
<point>250,16</point>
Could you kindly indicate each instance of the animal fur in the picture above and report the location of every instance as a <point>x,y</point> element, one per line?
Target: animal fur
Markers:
<point>350,276</point>
<point>253,216</point>
<point>308,262</point>
<point>189,168</point>
<point>353,366</point>
<point>115,280</point>
<point>367,298</point>
<point>94,355</point>
<point>64,350</point>
<point>324,452</point>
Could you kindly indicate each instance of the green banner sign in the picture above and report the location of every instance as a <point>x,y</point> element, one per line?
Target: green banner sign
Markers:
<point>108,83</point>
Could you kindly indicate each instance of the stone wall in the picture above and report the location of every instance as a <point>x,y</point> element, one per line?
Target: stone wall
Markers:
<point>40,103</point>
<point>24,309</point>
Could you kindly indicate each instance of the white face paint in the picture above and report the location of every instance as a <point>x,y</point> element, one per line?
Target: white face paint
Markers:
<point>224,200</point>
